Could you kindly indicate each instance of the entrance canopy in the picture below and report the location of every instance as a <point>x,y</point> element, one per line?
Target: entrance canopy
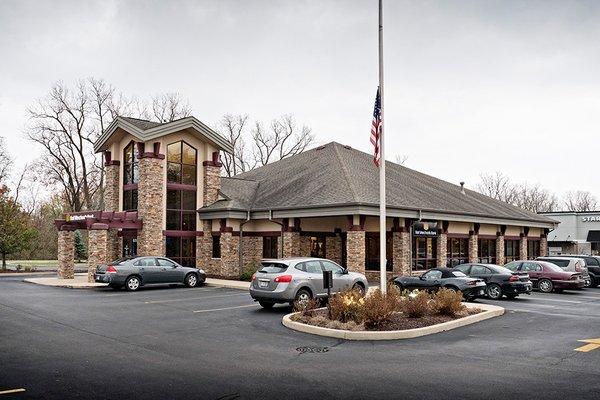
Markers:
<point>109,220</point>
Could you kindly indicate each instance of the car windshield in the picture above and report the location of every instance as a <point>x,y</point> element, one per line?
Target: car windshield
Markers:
<point>458,274</point>
<point>272,268</point>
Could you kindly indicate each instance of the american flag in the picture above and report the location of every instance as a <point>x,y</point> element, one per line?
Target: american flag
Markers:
<point>376,128</point>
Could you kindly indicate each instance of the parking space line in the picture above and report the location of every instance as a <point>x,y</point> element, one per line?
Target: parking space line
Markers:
<point>561,301</point>
<point>10,391</point>
<point>194,298</point>
<point>224,308</point>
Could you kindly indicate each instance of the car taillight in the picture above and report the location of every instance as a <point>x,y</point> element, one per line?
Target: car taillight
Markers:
<point>111,270</point>
<point>283,279</point>
<point>577,268</point>
<point>253,277</point>
<point>513,278</point>
<point>472,283</point>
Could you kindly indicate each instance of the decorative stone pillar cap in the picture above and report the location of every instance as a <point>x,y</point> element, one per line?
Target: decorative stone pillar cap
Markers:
<point>99,226</point>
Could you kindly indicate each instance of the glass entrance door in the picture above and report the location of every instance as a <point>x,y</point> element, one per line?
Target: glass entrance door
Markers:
<point>129,242</point>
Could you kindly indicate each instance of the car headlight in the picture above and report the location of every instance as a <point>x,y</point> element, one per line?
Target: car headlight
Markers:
<point>201,271</point>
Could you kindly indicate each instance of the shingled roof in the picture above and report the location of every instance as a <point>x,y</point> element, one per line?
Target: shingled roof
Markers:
<point>335,175</point>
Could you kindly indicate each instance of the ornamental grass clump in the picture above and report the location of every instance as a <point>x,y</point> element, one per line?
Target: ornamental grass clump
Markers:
<point>347,306</point>
<point>379,308</point>
<point>307,308</point>
<point>415,304</point>
<point>447,302</point>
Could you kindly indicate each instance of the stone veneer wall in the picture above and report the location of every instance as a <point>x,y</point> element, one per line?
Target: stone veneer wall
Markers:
<point>355,251</point>
<point>544,246</point>
<point>66,254</point>
<point>150,206</point>
<point>230,258</point>
<point>291,244</point>
<point>304,250</point>
<point>401,253</point>
<point>252,251</point>
<point>473,248</point>
<point>442,250</point>
<point>111,203</point>
<point>500,257</point>
<point>333,249</point>
<point>212,184</point>
<point>523,247</point>
<point>98,249</point>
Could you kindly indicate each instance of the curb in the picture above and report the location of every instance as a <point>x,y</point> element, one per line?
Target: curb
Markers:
<point>489,311</point>
<point>227,284</point>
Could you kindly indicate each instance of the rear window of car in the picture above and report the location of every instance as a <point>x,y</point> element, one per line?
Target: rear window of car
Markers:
<point>121,261</point>
<point>560,263</point>
<point>272,268</point>
<point>458,274</point>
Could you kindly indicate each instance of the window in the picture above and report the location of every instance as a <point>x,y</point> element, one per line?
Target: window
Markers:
<point>372,251</point>
<point>163,262</point>
<point>182,250</point>
<point>533,249</point>
<point>130,164</point>
<point>513,266</point>
<point>487,251</point>
<point>511,250</point>
<point>270,247</point>
<point>216,246</point>
<point>146,262</point>
<point>457,251</point>
<point>317,246</point>
<point>181,210</point>
<point>273,268</point>
<point>424,253</point>
<point>313,267</point>
<point>181,163</point>
<point>432,275</point>
<point>528,267</point>
<point>458,274</point>
<point>130,200</point>
<point>464,268</point>
<point>480,270</point>
<point>329,266</point>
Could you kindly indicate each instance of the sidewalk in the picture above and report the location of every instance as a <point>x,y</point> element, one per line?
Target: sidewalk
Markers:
<point>80,282</point>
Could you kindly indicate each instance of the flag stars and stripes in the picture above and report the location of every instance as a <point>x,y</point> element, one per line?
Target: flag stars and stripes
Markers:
<point>376,129</point>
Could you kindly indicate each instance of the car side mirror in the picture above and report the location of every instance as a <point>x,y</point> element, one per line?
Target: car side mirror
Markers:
<point>344,271</point>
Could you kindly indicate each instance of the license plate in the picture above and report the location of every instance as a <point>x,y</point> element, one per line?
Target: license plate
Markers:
<point>263,284</point>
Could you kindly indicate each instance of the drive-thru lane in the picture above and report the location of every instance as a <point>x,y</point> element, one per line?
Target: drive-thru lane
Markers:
<point>217,343</point>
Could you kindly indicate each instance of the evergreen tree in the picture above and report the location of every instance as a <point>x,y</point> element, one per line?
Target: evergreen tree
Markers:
<point>80,250</point>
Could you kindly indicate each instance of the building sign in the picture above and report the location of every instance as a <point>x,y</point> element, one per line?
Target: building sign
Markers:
<point>591,218</point>
<point>425,229</point>
<point>77,217</point>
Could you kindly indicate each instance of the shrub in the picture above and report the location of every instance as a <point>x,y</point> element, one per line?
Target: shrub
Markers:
<point>415,304</point>
<point>307,308</point>
<point>346,306</point>
<point>379,308</point>
<point>447,302</point>
<point>246,275</point>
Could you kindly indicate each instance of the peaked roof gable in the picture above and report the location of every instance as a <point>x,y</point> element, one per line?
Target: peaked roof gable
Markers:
<point>147,130</point>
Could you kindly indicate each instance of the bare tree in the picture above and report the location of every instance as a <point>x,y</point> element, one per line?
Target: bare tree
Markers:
<point>497,186</point>
<point>233,128</point>
<point>169,107</point>
<point>400,159</point>
<point>580,201</point>
<point>5,161</point>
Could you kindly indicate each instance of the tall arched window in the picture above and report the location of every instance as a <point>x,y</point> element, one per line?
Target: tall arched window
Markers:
<point>130,177</point>
<point>181,203</point>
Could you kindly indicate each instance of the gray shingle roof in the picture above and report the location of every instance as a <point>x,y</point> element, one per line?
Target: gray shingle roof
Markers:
<point>335,174</point>
<point>141,123</point>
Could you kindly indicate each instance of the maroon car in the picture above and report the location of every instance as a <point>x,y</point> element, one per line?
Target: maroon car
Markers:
<point>547,276</point>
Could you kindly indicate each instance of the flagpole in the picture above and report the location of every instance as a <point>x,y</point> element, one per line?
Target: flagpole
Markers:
<point>382,219</point>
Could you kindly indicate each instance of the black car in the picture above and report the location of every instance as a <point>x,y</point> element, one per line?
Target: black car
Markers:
<point>499,280</point>
<point>437,278</point>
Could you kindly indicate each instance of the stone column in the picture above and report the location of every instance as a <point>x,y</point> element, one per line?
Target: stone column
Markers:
<point>305,246</point>
<point>111,203</point>
<point>252,251</point>
<point>523,247</point>
<point>473,247</point>
<point>401,252</point>
<point>544,246</point>
<point>333,248</point>
<point>66,253</point>
<point>230,258</point>
<point>98,248</point>
<point>151,189</point>
<point>291,244</point>
<point>212,182</point>
<point>442,250</point>
<point>355,251</point>
<point>500,258</point>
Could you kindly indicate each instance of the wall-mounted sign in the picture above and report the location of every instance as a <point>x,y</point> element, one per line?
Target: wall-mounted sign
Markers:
<point>591,218</point>
<point>425,229</point>
<point>77,217</point>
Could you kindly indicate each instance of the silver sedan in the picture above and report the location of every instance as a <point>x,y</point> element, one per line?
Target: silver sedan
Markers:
<point>300,279</point>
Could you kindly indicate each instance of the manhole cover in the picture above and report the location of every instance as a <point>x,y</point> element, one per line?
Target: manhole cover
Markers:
<point>312,349</point>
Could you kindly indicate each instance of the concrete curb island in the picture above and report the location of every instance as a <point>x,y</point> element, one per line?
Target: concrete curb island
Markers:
<point>488,311</point>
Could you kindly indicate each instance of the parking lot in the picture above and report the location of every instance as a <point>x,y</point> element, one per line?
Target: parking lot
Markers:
<point>214,343</point>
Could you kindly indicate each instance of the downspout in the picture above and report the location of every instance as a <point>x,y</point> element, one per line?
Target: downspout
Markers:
<point>240,244</point>
<point>280,224</point>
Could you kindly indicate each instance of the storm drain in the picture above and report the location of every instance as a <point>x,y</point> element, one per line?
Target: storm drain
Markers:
<point>312,349</point>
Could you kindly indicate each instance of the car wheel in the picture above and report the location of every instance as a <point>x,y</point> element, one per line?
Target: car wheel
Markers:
<point>133,283</point>
<point>494,291</point>
<point>302,296</point>
<point>266,304</point>
<point>360,288</point>
<point>191,280</point>
<point>545,285</point>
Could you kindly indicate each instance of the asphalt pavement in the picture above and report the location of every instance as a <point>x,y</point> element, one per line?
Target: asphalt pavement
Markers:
<point>214,343</point>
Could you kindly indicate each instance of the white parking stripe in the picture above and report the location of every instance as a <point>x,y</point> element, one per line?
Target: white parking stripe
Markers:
<point>224,308</point>
<point>558,301</point>
<point>195,298</point>
<point>578,316</point>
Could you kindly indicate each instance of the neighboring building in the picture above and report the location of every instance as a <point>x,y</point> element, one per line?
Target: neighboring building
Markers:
<point>164,195</point>
<point>577,233</point>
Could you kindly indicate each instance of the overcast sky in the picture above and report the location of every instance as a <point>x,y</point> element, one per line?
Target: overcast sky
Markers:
<point>471,86</point>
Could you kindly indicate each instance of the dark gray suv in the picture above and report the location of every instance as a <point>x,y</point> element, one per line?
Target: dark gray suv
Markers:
<point>139,271</point>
